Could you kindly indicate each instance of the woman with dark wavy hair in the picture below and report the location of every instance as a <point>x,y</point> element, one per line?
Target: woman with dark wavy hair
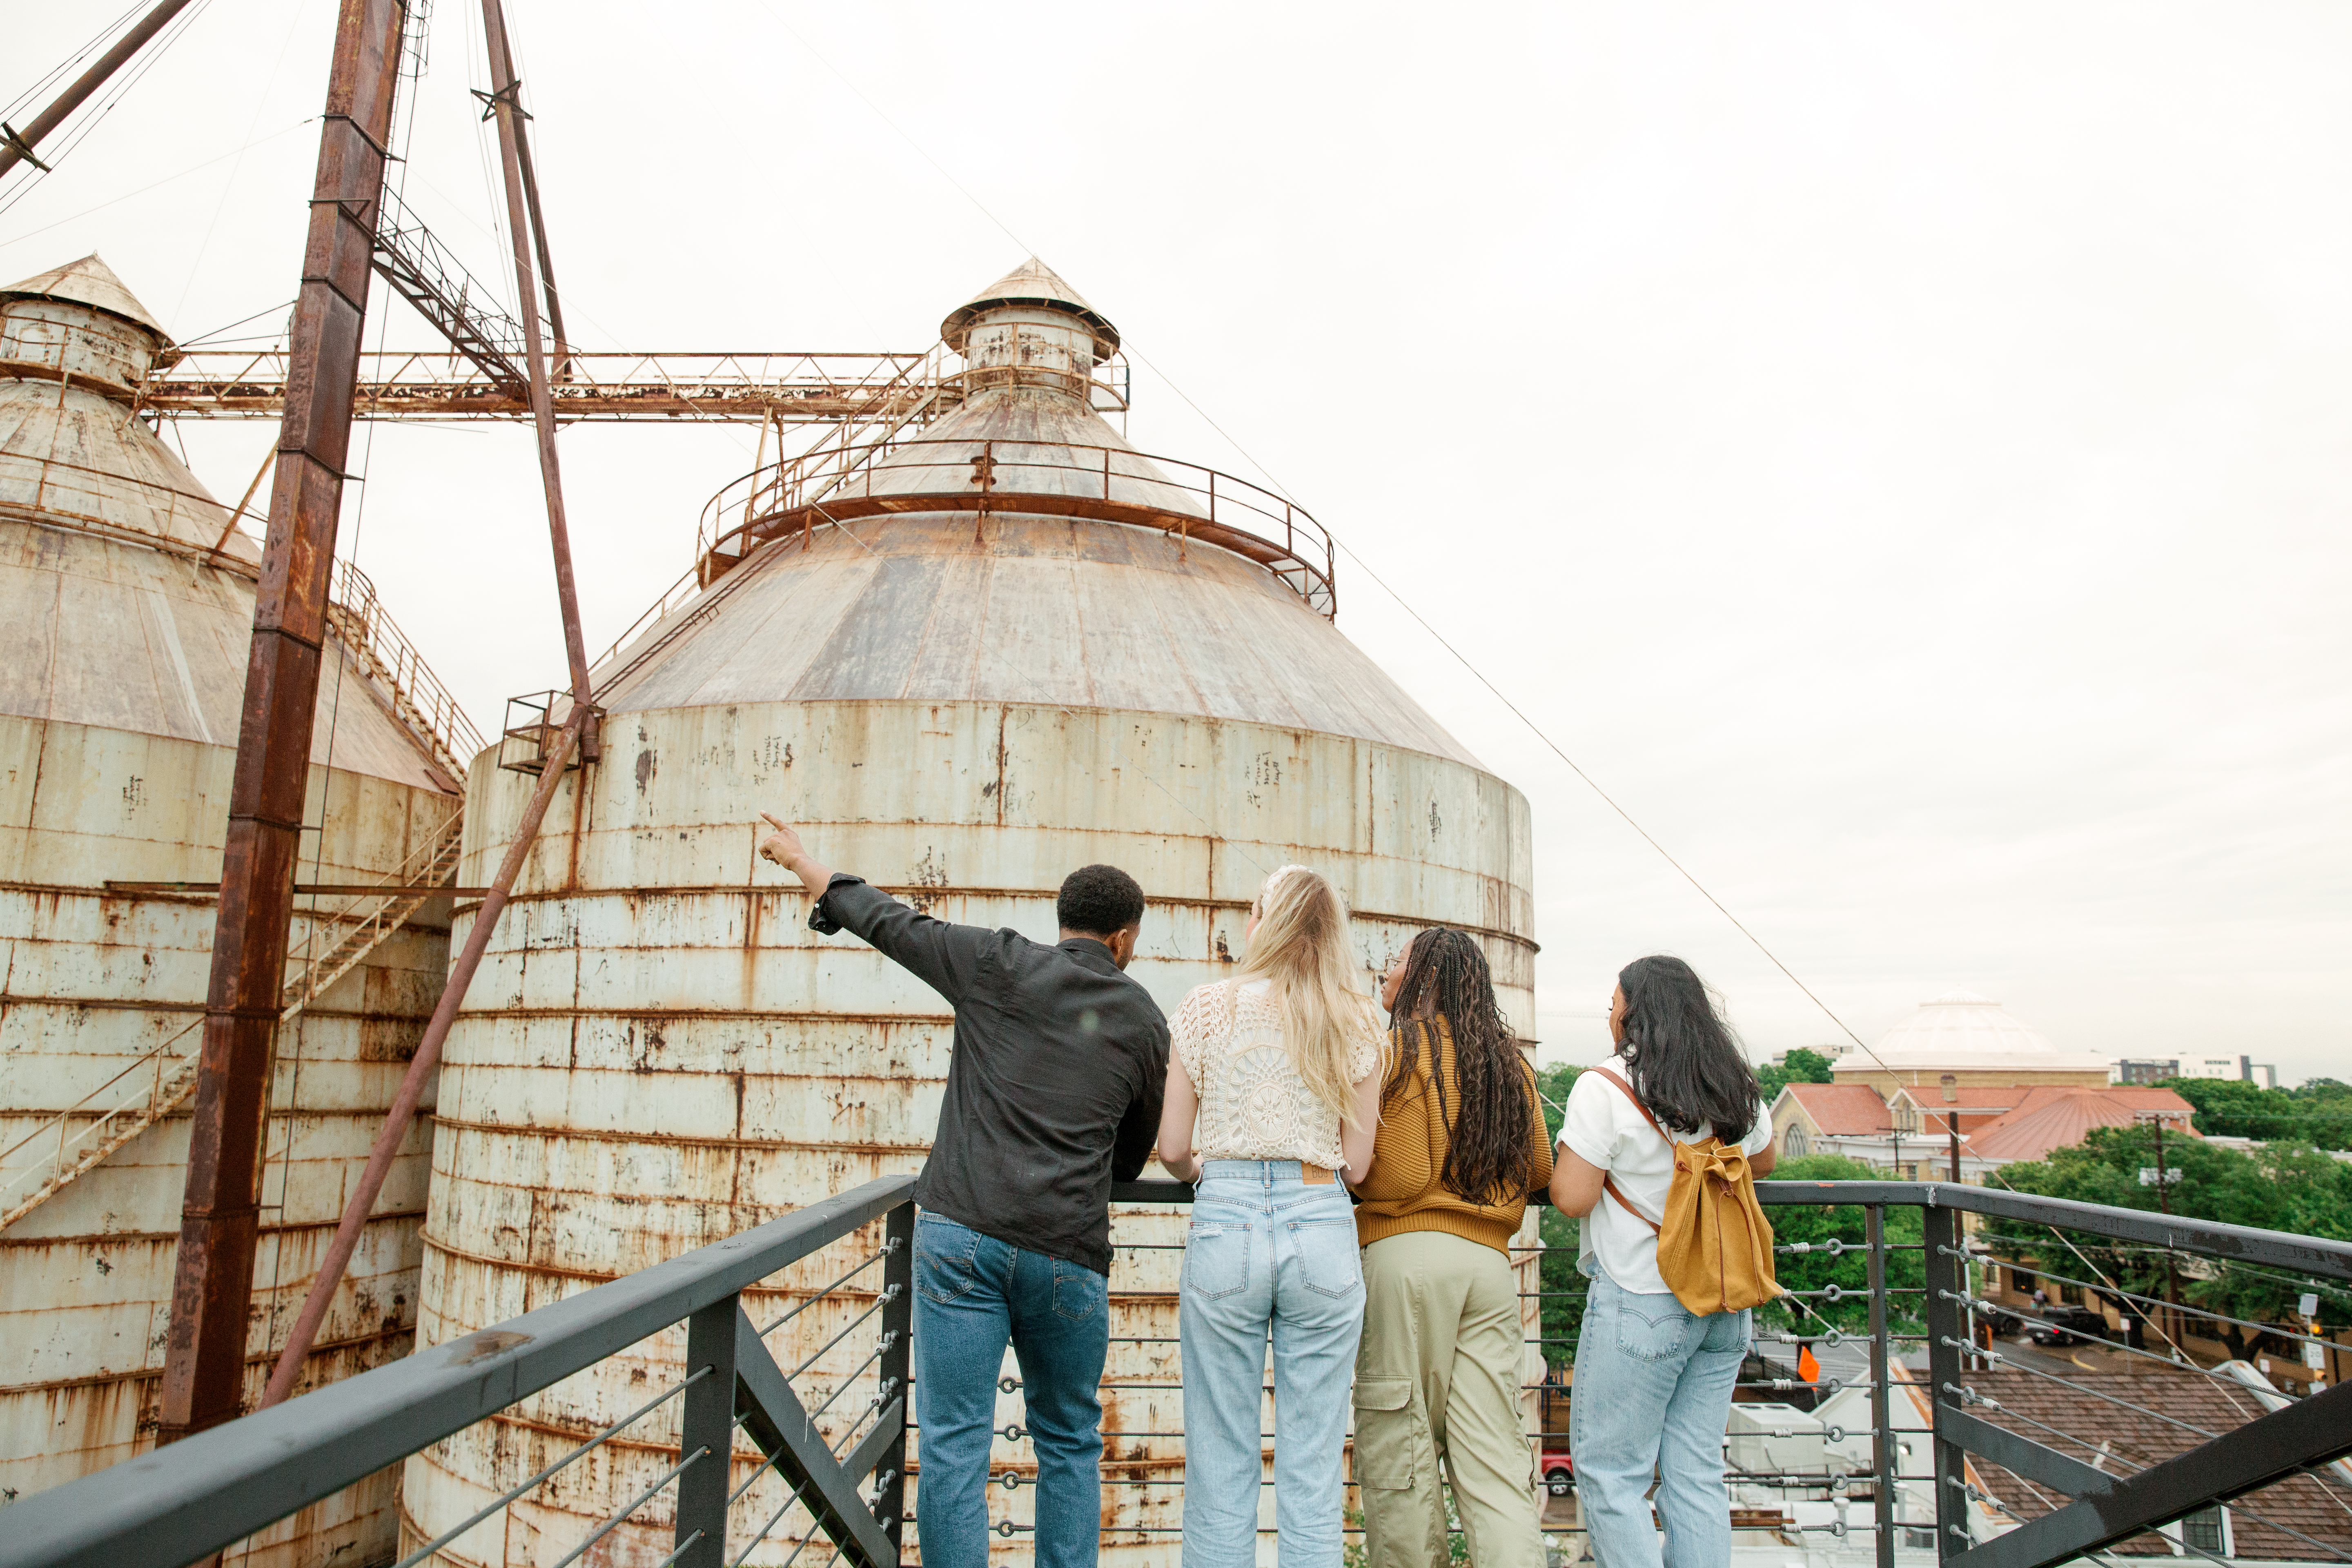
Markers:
<point>1461,1144</point>
<point>1653,1380</point>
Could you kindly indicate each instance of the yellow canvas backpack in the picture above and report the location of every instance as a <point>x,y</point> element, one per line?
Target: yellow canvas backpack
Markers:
<point>1715,1250</point>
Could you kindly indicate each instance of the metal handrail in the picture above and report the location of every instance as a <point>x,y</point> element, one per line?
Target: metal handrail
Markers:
<point>159,1510</point>
<point>372,633</point>
<point>1183,497</point>
<point>2210,1238</point>
<point>176,1504</point>
<point>157,1059</point>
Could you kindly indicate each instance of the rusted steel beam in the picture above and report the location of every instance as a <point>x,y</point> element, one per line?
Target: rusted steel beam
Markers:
<point>816,387</point>
<point>211,1288</point>
<point>505,95</point>
<point>17,146</point>
<point>304,889</point>
<point>388,1140</point>
<point>538,227</point>
<point>578,732</point>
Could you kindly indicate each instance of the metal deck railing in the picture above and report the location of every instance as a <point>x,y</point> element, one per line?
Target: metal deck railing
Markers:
<point>1916,1438</point>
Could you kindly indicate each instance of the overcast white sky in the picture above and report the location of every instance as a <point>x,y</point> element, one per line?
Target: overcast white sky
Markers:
<point>1900,451</point>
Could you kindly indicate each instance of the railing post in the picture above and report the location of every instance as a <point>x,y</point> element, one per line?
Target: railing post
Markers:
<point>709,1425</point>
<point>1945,1279</point>
<point>1883,1449</point>
<point>898,1368</point>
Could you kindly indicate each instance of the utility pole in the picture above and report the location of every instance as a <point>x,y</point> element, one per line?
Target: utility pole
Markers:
<point>2164,1202</point>
<point>220,1214</point>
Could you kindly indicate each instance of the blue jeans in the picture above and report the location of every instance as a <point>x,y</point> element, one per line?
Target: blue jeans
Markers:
<point>1653,1389</point>
<point>972,1295</point>
<point>1267,1254</point>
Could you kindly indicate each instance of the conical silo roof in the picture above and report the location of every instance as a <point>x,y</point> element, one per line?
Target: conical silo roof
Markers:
<point>88,282</point>
<point>1024,607</point>
<point>1031,283</point>
<point>126,596</point>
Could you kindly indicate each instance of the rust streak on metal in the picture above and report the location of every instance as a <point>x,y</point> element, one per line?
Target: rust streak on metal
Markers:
<point>373,890</point>
<point>213,1282</point>
<point>672,1140</point>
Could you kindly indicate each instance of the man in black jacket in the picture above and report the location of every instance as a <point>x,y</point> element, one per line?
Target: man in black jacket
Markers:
<point>1053,1093</point>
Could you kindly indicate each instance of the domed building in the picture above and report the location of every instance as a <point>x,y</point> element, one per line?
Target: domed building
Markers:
<point>1960,1081</point>
<point>1960,1040</point>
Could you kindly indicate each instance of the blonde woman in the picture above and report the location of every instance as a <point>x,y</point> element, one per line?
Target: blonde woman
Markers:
<point>1274,1087</point>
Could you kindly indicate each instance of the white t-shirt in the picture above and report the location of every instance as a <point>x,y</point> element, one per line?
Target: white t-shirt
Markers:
<point>1603,1127</point>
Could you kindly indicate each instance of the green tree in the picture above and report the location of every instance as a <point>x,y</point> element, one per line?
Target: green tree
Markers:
<point>1563,1287</point>
<point>2286,1185</point>
<point>1817,1229</point>
<point>2319,1113</point>
<point>1799,1065</point>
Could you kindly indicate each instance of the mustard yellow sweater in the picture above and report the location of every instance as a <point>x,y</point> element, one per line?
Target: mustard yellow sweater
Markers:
<point>1402,1191</point>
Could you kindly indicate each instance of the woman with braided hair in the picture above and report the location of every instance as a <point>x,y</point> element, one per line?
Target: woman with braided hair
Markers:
<point>1460,1146</point>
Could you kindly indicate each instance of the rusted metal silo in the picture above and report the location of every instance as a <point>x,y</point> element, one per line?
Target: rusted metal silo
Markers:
<point>126,605</point>
<point>966,657</point>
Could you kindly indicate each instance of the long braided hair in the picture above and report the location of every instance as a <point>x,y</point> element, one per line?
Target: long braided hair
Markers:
<point>1487,1158</point>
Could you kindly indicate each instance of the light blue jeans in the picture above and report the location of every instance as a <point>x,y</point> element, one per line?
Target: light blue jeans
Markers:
<point>1267,1254</point>
<point>1653,1391</point>
<point>972,1295</point>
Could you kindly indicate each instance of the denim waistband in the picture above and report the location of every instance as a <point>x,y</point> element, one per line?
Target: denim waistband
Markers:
<point>1254,1171</point>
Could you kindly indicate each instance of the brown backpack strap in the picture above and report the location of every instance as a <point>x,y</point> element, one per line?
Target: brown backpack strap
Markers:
<point>1608,1183</point>
<point>1627,1091</point>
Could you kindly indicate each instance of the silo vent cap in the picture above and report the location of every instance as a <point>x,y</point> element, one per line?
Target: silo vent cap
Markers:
<point>1031,283</point>
<point>91,282</point>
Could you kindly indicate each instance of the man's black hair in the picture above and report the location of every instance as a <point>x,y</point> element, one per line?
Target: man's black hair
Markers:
<point>1099,900</point>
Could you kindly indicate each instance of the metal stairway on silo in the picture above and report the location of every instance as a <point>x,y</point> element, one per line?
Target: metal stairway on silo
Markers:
<point>418,697</point>
<point>164,1079</point>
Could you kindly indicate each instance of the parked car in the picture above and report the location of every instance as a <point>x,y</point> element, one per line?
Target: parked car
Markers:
<point>1558,1471</point>
<point>2069,1326</point>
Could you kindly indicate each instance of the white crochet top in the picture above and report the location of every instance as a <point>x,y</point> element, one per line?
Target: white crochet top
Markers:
<point>1254,1105</point>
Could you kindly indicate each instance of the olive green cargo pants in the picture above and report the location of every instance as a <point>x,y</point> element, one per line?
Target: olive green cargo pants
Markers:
<point>1437,1372</point>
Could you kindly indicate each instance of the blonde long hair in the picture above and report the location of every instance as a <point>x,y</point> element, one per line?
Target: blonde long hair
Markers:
<point>1302,945</point>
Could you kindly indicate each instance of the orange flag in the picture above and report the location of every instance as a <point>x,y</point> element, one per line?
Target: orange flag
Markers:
<point>1809,1366</point>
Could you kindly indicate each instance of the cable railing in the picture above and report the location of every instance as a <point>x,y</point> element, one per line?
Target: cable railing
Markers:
<point>1878,1413</point>
<point>826,1468</point>
<point>836,483</point>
